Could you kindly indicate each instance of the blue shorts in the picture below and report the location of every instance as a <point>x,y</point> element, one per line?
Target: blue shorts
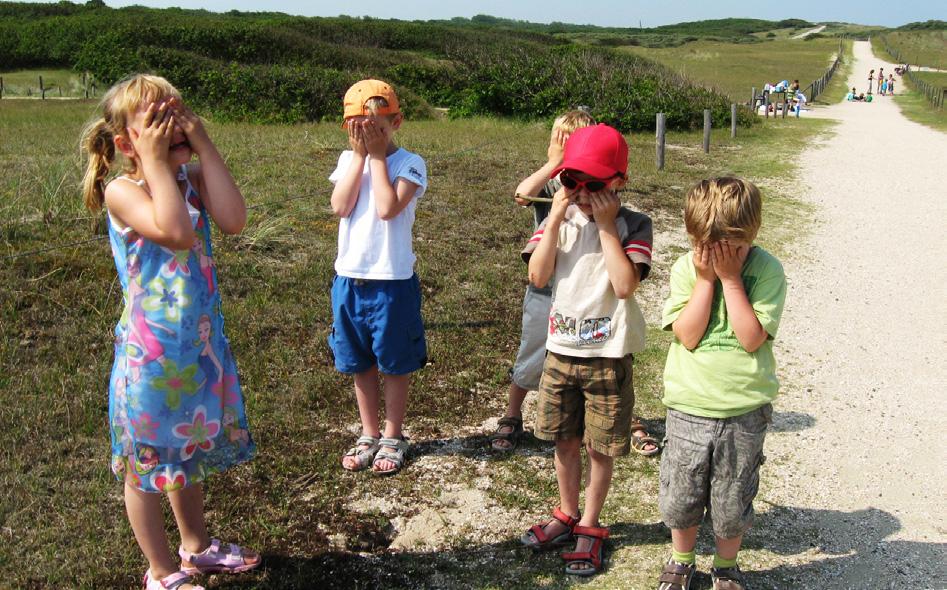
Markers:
<point>377,323</point>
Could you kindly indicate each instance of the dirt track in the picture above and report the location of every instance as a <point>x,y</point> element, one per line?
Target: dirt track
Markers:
<point>859,448</point>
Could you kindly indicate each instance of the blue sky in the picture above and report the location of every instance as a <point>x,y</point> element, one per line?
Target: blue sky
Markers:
<point>623,13</point>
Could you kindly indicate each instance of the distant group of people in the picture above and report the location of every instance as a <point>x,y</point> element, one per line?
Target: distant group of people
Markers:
<point>885,85</point>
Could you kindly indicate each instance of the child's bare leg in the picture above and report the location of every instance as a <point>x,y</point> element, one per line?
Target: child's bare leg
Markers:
<point>514,409</point>
<point>597,485</point>
<point>515,404</point>
<point>728,548</point>
<point>188,507</point>
<point>147,520</point>
<point>600,479</point>
<point>396,400</point>
<point>684,540</point>
<point>568,461</point>
<point>367,392</point>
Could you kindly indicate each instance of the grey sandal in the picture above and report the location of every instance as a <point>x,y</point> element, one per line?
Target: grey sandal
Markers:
<point>397,456</point>
<point>364,456</point>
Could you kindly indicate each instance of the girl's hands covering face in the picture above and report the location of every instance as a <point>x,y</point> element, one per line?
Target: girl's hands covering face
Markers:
<point>152,140</point>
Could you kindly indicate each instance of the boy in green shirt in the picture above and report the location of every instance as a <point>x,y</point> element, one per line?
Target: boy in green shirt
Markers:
<point>726,301</point>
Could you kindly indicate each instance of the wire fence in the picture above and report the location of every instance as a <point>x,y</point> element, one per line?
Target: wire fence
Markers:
<point>818,85</point>
<point>933,93</point>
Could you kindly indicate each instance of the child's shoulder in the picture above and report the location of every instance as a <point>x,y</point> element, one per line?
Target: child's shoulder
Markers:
<point>763,263</point>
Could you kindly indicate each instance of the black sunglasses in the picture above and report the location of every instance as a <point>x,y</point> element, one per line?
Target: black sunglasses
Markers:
<point>572,183</point>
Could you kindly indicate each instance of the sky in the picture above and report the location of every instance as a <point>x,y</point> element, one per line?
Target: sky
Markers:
<point>620,13</point>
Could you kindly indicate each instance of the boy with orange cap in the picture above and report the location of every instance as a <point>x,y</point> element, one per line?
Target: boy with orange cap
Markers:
<point>595,253</point>
<point>376,297</point>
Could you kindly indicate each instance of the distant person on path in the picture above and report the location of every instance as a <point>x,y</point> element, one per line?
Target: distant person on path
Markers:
<point>595,253</point>
<point>881,80</point>
<point>851,95</point>
<point>884,87</point>
<point>176,411</point>
<point>794,87</point>
<point>726,301</point>
<point>891,84</point>
<point>376,296</point>
<point>871,80</point>
<point>528,366</point>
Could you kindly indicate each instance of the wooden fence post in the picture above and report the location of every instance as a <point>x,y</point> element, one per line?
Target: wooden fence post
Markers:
<point>85,83</point>
<point>785,104</point>
<point>733,120</point>
<point>659,141</point>
<point>706,131</point>
<point>42,89</point>
<point>753,100</point>
<point>766,104</point>
<point>1,87</point>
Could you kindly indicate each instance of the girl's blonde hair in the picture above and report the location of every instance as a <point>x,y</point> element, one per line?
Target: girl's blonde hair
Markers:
<point>569,121</point>
<point>723,208</point>
<point>118,107</point>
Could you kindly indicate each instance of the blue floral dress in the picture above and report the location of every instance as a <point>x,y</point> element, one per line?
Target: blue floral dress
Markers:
<point>175,406</point>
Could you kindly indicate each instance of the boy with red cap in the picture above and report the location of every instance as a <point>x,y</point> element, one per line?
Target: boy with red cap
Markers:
<point>376,297</point>
<point>595,252</point>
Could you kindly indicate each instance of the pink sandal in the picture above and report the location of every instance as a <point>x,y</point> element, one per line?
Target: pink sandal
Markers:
<point>214,561</point>
<point>171,582</point>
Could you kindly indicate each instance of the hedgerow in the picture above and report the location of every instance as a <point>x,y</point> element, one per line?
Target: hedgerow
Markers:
<point>275,68</point>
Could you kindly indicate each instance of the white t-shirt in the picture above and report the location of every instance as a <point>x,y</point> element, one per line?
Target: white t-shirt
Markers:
<point>370,247</point>
<point>587,319</point>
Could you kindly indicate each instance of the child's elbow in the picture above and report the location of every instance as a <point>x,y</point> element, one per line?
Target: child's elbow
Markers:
<point>235,225</point>
<point>537,280</point>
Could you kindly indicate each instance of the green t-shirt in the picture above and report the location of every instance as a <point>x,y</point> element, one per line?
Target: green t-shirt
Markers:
<point>719,378</point>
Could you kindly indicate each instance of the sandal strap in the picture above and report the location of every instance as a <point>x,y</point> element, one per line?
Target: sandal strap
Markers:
<point>596,532</point>
<point>593,555</point>
<point>569,521</point>
<point>367,440</point>
<point>400,444</point>
<point>514,421</point>
<point>175,580</point>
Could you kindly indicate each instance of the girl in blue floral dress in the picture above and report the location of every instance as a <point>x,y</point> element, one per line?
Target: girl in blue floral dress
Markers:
<point>176,410</point>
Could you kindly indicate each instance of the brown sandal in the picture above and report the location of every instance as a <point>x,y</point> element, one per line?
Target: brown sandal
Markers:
<point>676,576</point>
<point>640,442</point>
<point>515,424</point>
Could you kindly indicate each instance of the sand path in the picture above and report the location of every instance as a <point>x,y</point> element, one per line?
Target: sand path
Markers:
<point>859,438</point>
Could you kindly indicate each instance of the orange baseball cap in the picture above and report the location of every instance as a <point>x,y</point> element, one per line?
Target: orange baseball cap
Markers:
<point>360,92</point>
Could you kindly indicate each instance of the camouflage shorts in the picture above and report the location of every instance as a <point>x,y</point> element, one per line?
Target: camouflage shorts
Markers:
<point>712,464</point>
<point>592,398</point>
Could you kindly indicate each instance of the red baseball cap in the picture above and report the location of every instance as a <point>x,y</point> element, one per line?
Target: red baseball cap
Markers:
<point>597,150</point>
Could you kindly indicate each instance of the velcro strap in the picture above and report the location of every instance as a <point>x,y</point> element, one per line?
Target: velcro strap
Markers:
<point>564,518</point>
<point>539,533</point>
<point>175,580</point>
<point>591,531</point>
<point>669,578</point>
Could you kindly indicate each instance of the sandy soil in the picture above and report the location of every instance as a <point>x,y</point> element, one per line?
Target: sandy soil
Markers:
<point>859,446</point>
<point>805,34</point>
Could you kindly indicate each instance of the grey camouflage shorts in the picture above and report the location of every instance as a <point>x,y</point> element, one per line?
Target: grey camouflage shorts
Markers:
<point>712,464</point>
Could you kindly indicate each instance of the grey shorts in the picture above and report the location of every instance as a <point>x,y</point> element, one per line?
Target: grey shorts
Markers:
<point>528,367</point>
<point>712,464</point>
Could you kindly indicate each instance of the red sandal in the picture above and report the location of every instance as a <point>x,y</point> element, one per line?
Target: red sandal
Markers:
<point>536,537</point>
<point>593,556</point>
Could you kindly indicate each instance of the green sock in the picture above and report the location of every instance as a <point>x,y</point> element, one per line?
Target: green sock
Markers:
<point>685,558</point>
<point>720,562</point>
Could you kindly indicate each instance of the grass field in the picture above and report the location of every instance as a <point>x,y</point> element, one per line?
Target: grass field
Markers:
<point>59,83</point>
<point>61,515</point>
<point>916,106</point>
<point>736,68</point>
<point>924,48</point>
<point>913,103</point>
